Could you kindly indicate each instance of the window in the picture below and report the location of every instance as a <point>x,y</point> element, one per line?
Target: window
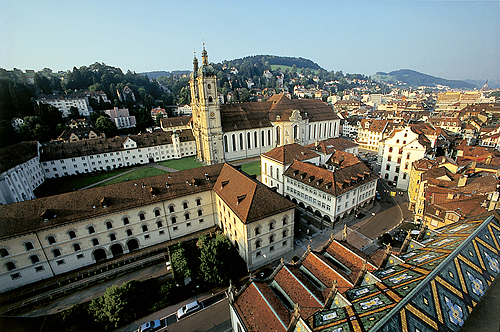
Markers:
<point>174,220</point>
<point>29,246</point>
<point>388,167</point>
<point>175,228</point>
<point>95,242</point>
<point>15,276</point>
<point>186,216</point>
<point>125,221</point>
<point>399,160</point>
<point>34,259</point>
<point>10,266</point>
<point>271,225</point>
<point>76,247</point>
<point>406,165</point>
<point>109,225</point>
<point>112,237</point>
<point>161,233</point>
<point>271,248</point>
<point>389,158</point>
<point>171,208</point>
<point>56,252</point>
<point>258,243</point>
<point>39,269</point>
<point>91,230</point>
<point>201,221</point>
<point>60,262</point>
<point>72,234</point>
<point>198,202</point>
<point>271,239</point>
<point>129,232</point>
<point>4,252</point>
<point>159,224</point>
<point>284,243</point>
<point>285,221</point>
<point>200,213</point>
<point>257,230</point>
<point>233,141</point>
<point>241,141</point>
<point>51,239</point>
<point>188,224</point>
<point>185,205</point>
<point>285,233</point>
<point>142,216</point>
<point>390,149</point>
<point>144,228</point>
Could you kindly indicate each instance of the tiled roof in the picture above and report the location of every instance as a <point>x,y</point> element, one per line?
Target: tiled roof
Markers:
<point>17,154</point>
<point>167,123</point>
<point>351,257</point>
<point>82,132</point>
<point>286,154</point>
<point>250,200</point>
<point>23,217</point>
<point>333,144</point>
<point>333,182</point>
<point>326,272</point>
<point>252,115</point>
<point>261,310</point>
<point>61,150</point>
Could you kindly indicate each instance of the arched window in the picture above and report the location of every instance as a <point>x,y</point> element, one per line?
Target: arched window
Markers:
<point>173,220</point>
<point>271,225</point>
<point>186,216</point>
<point>10,266</point>
<point>112,237</point>
<point>142,216</point>
<point>71,234</point>
<point>29,246</point>
<point>285,233</point>
<point>269,137</point>
<point>262,138</point>
<point>271,239</point>
<point>210,99</point>
<point>200,213</point>
<point>157,212</point>
<point>226,149</point>
<point>95,242</point>
<point>56,252</point>
<point>171,208</point>
<point>76,247</point>
<point>255,140</point>
<point>91,230</point>
<point>144,228</point>
<point>277,136</point>
<point>159,223</point>
<point>34,259</point>
<point>258,244</point>
<point>185,205</point>
<point>390,149</point>
<point>4,252</point>
<point>271,170</point>
<point>109,225</point>
<point>257,230</point>
<point>249,143</point>
<point>241,141</point>
<point>233,141</point>
<point>125,221</point>
<point>198,201</point>
<point>129,232</point>
<point>295,131</point>
<point>51,239</point>
<point>285,221</point>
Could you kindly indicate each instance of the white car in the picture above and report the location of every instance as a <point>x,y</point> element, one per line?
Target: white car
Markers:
<point>188,309</point>
<point>150,326</point>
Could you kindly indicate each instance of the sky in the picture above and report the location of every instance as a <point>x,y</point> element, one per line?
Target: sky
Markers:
<point>448,39</point>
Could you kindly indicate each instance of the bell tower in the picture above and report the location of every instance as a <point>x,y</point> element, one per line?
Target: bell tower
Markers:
<point>207,126</point>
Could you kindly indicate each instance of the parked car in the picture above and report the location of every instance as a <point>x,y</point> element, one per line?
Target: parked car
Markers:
<point>188,309</point>
<point>377,196</point>
<point>151,326</point>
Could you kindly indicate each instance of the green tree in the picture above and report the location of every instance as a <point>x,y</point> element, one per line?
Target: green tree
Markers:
<point>218,259</point>
<point>115,306</point>
<point>185,96</point>
<point>104,124</point>
<point>43,84</point>
<point>73,113</point>
<point>180,264</point>
<point>245,95</point>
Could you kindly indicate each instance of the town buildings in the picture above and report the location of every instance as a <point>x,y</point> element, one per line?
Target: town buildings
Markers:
<point>81,101</point>
<point>43,237</point>
<point>237,131</point>
<point>372,132</point>
<point>121,118</point>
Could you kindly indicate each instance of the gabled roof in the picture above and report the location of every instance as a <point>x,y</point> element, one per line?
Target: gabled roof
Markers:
<point>331,145</point>
<point>248,199</point>
<point>286,154</point>
<point>167,123</point>
<point>17,154</point>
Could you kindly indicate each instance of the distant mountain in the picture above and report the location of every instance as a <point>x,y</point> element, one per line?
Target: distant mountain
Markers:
<point>277,60</point>
<point>415,79</point>
<point>155,74</point>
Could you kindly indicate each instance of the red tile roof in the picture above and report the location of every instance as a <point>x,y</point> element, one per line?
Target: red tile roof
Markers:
<point>286,154</point>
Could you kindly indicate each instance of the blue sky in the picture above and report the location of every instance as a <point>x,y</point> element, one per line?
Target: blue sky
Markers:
<point>449,39</point>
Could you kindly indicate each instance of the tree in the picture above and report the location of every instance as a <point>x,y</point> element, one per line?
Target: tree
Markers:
<point>43,84</point>
<point>104,124</point>
<point>73,113</point>
<point>115,306</point>
<point>180,264</point>
<point>245,95</point>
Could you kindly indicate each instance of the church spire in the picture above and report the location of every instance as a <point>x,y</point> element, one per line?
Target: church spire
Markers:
<point>204,56</point>
<point>195,62</point>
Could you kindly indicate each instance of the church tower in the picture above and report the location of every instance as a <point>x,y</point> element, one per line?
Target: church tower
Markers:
<point>207,126</point>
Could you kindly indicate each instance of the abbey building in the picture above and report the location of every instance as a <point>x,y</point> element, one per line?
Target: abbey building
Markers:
<point>242,130</point>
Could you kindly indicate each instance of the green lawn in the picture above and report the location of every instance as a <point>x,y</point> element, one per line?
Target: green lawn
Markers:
<point>251,168</point>
<point>139,173</point>
<point>181,164</point>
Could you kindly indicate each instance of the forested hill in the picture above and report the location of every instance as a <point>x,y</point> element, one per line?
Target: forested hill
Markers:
<point>276,60</point>
<point>415,79</point>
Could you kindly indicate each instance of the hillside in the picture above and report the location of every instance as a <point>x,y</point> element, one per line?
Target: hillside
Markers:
<point>415,79</point>
<point>155,74</point>
<point>277,60</point>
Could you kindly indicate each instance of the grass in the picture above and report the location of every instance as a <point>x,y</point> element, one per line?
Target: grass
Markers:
<point>181,164</point>
<point>139,173</point>
<point>251,168</point>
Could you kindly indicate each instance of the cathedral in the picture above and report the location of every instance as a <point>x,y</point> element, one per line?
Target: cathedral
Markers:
<point>235,131</point>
